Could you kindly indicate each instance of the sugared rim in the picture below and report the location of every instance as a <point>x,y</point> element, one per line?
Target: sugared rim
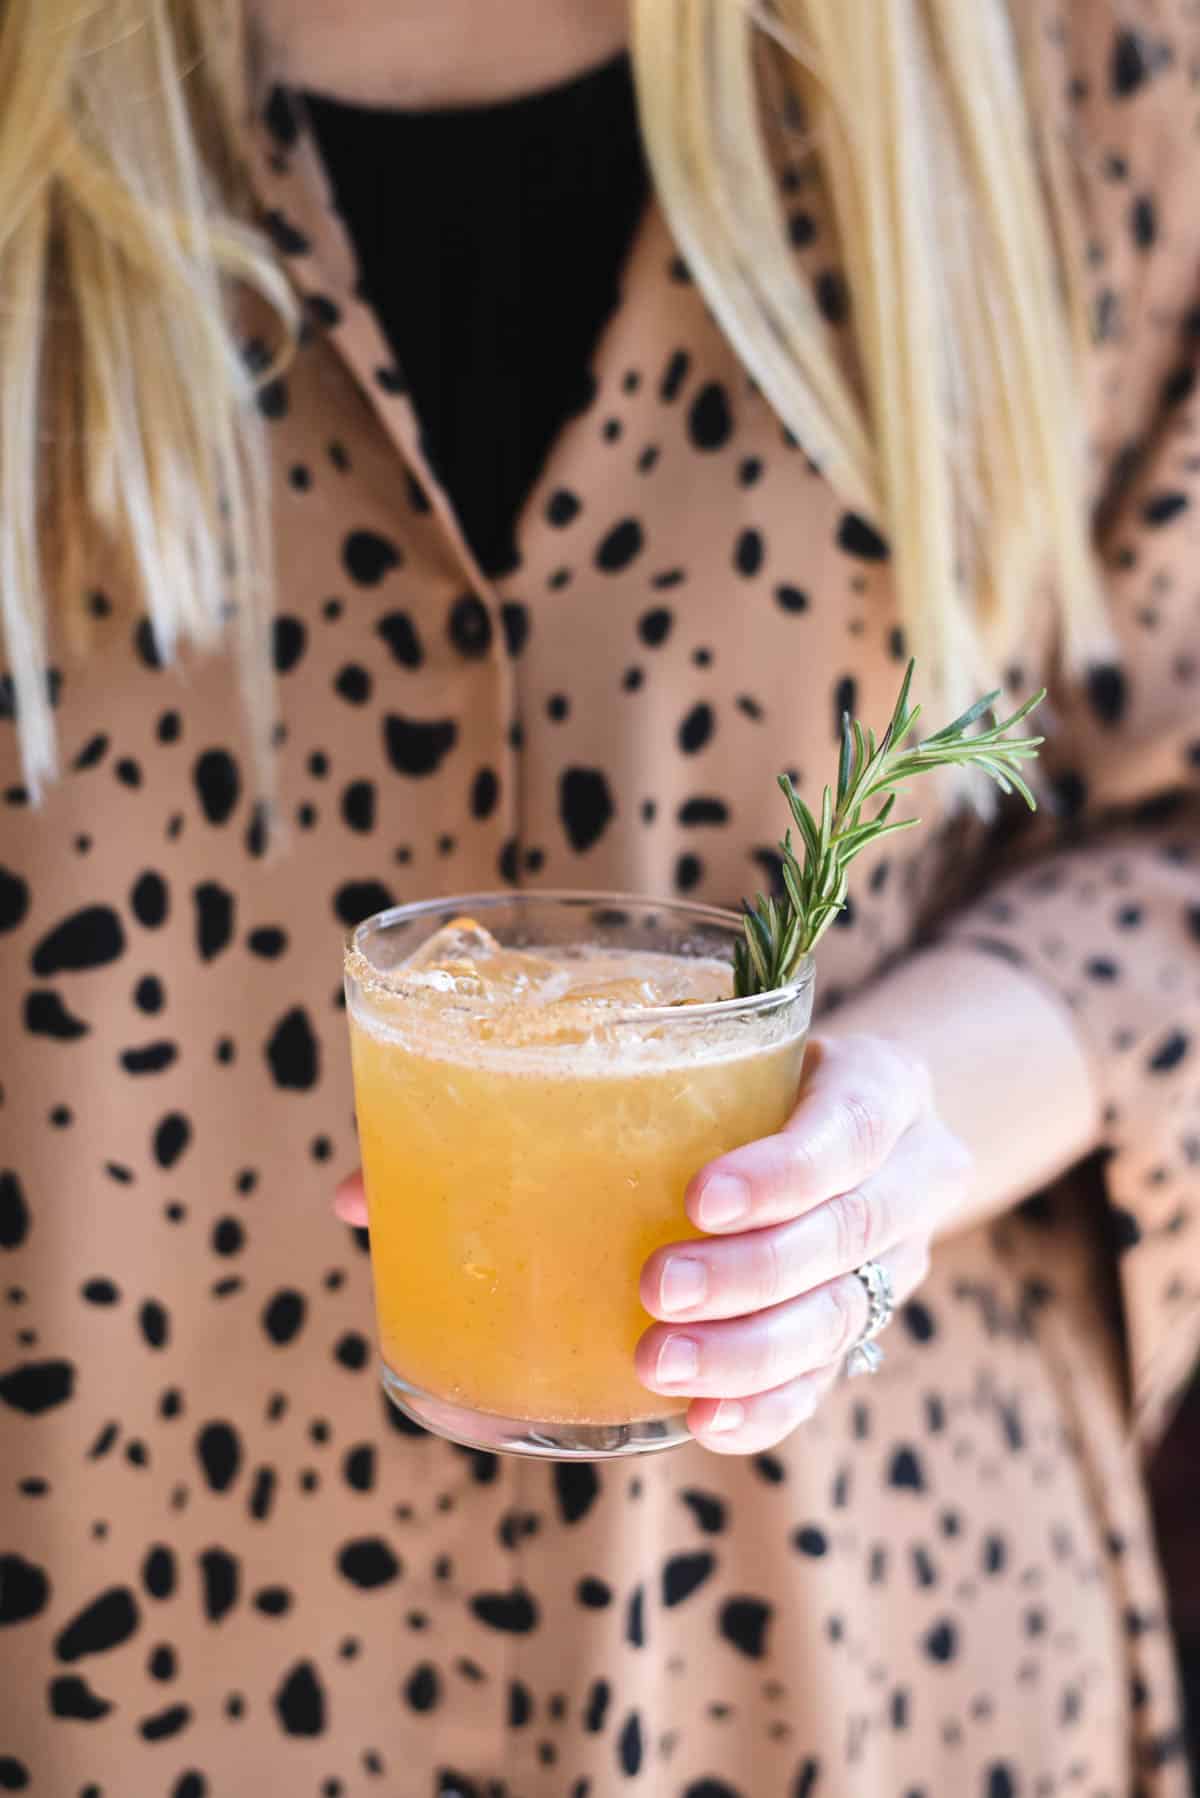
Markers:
<point>709,914</point>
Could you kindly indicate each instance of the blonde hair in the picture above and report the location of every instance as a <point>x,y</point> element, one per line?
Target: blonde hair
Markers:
<point>126,416</point>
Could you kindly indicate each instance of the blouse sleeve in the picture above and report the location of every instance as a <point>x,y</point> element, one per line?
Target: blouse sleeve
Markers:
<point>1106,908</point>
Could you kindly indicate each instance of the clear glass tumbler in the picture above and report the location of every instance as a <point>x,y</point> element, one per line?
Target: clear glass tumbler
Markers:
<point>520,1169</point>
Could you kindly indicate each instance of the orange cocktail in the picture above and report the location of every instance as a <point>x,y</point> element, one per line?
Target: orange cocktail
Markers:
<point>535,1087</point>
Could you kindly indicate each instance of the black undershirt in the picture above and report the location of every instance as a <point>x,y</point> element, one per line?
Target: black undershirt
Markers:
<point>489,241</point>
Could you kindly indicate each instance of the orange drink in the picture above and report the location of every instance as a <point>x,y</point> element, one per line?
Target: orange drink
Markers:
<point>537,1077</point>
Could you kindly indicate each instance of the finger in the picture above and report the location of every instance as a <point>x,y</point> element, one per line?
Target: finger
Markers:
<point>859,1099</point>
<point>746,1355</point>
<point>734,1276</point>
<point>350,1201</point>
<point>747,1426</point>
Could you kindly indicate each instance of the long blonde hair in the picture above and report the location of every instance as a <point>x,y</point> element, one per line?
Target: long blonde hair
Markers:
<point>126,422</point>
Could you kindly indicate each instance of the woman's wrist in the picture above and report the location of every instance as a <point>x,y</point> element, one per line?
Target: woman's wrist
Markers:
<point>1010,1073</point>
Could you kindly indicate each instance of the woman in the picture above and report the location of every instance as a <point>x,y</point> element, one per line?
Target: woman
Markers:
<point>568,637</point>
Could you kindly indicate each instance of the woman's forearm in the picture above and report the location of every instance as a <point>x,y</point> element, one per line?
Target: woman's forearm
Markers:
<point>1009,1070</point>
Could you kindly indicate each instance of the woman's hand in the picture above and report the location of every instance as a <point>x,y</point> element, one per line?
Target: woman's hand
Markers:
<point>758,1317</point>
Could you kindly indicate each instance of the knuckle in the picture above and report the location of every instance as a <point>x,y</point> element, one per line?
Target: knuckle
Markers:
<point>843,1321</point>
<point>769,1275</point>
<point>853,1221</point>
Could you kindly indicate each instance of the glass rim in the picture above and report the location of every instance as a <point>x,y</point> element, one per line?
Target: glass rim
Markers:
<point>718,915</point>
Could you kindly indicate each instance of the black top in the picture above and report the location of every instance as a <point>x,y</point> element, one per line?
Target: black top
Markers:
<point>490,240</point>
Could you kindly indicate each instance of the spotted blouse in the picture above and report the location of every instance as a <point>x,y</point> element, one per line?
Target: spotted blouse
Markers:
<point>225,1568</point>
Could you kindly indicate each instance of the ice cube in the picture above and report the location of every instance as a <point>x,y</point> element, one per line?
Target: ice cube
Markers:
<point>456,948</point>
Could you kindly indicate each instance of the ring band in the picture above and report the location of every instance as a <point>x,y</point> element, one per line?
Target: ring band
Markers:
<point>866,1356</point>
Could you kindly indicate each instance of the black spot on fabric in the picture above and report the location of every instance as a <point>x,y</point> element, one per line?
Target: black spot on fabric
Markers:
<point>14,899</point>
<point>72,1697</point>
<point>301,1701</point>
<point>562,507</point>
<point>353,684</point>
<point>918,1320</point>
<point>367,557</point>
<point>358,1468</point>
<point>150,900</point>
<point>514,619</point>
<point>273,1601</point>
<point>219,1452</point>
<point>707,1509</point>
<point>1001,1782</point>
<point>1170,1052</point>
<point>744,1622</point>
<point>268,942</point>
<point>423,1688</point>
<point>1143,221</point>
<point>629,1746</point>
<point>716,1788</point>
<point>262,1494</point>
<point>703,811</point>
<point>288,639</point>
<point>594,1594</point>
<point>101,1626</point>
<point>284,235</point>
<point>228,1237</point>
<point>811,1540</point>
<point>697,728</point>
<point>368,1562</point>
<point>1070,794</point>
<point>674,375</point>
<point>1165,505</point>
<point>905,1470</point>
<point>220,1579</point>
<point>400,634</point>
<point>34,1387</point>
<point>90,938</point>
<point>684,1574</point>
<point>1108,693</point>
<point>599,1698</point>
<point>283,1316</point>
<point>171,1137</point>
<point>1134,61</point>
<point>190,1785</point>
<point>358,805</point>
<point>790,597</point>
<point>858,538</point>
<point>158,1571</point>
<point>14,1212</point>
<point>520,1704</point>
<point>360,899</point>
<point>833,299</point>
<point>513,1612</point>
<point>351,1351</point>
<point>689,872</point>
<point>154,1324</point>
<point>14,1775</point>
<point>748,553</point>
<point>469,627</point>
<point>151,1058</point>
<point>654,626</point>
<point>93,751</point>
<point>710,422</point>
<point>485,793</point>
<point>24,1589</point>
<point>46,1015</point>
<point>165,1723</point>
<point>576,1486</point>
<point>148,994</point>
<point>941,1642</point>
<point>585,805</point>
<point>218,784</point>
<point>619,548</point>
<point>292,1052</point>
<point>418,746</point>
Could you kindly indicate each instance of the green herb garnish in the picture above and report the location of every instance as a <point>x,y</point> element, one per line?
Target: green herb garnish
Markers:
<point>780,932</point>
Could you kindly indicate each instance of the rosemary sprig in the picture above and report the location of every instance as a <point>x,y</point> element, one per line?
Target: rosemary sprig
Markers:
<point>780,932</point>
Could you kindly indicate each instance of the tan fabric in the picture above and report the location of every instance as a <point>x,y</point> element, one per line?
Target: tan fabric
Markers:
<point>225,1572</point>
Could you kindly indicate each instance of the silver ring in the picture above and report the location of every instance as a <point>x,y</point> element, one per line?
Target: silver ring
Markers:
<point>866,1356</point>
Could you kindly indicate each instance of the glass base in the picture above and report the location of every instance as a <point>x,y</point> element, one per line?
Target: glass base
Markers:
<point>523,1436</point>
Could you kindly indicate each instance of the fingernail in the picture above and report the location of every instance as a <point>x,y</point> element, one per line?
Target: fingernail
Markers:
<point>684,1283</point>
<point>729,1415</point>
<point>678,1361</point>
<point>725,1198</point>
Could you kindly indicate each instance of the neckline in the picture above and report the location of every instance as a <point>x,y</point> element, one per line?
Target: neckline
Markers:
<point>559,95</point>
